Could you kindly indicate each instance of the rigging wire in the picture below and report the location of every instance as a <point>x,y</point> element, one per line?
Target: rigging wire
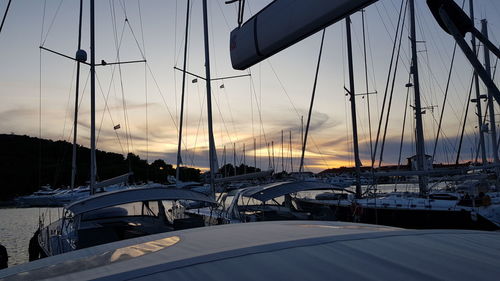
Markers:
<point>301,167</point>
<point>68,110</point>
<point>366,80</point>
<point>5,15</point>
<point>389,75</point>
<point>117,47</point>
<point>294,108</point>
<point>40,101</point>
<point>404,123</point>
<point>42,43</point>
<point>106,108</point>
<point>444,102</point>
<point>145,88</point>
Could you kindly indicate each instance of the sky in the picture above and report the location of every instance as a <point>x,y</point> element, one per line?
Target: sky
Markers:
<point>37,88</point>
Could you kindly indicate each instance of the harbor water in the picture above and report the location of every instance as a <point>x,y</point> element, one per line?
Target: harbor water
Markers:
<point>17,226</point>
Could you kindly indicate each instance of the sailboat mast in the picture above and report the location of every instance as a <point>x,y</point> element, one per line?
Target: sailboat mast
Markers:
<point>225,166</point>
<point>282,153</point>
<point>255,154</point>
<point>211,141</point>
<point>291,156</point>
<point>272,150</point>
<point>353,108</point>
<point>491,105</point>
<point>179,158</point>
<point>77,91</point>
<point>478,94</point>
<point>234,157</point>
<point>418,107</point>
<point>92,98</point>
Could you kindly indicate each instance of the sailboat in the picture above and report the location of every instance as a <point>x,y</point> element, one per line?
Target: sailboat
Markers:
<point>113,216</point>
<point>240,250</point>
<point>475,208</point>
<point>474,205</point>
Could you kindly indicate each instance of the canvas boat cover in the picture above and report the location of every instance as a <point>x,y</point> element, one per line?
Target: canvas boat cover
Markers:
<point>292,250</point>
<point>269,191</point>
<point>120,197</point>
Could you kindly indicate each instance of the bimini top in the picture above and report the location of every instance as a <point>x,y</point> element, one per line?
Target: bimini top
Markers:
<point>276,189</point>
<point>291,250</point>
<point>125,196</point>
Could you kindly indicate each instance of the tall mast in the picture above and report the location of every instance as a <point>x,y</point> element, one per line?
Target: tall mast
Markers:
<point>291,156</point>
<point>244,160</point>
<point>92,98</point>
<point>353,108</point>
<point>234,157</point>
<point>478,94</point>
<point>77,91</point>
<point>491,106</point>
<point>179,158</point>
<point>272,149</point>
<point>225,162</point>
<point>211,142</point>
<point>282,153</point>
<point>255,154</point>
<point>418,107</point>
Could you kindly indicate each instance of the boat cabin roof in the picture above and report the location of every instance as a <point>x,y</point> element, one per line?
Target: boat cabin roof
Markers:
<point>154,193</point>
<point>276,189</point>
<point>289,250</point>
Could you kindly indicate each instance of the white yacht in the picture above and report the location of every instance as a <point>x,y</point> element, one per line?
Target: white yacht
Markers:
<point>114,216</point>
<point>267,202</point>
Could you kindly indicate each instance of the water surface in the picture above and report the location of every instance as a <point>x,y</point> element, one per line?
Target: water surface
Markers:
<point>17,226</point>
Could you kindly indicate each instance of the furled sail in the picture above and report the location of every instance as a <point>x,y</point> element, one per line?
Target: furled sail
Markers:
<point>284,23</point>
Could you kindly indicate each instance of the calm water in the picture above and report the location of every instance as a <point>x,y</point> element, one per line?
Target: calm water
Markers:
<point>17,226</point>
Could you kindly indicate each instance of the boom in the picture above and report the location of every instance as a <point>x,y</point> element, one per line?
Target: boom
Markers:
<point>283,23</point>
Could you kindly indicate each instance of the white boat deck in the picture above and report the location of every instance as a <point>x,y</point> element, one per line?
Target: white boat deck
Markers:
<point>298,250</point>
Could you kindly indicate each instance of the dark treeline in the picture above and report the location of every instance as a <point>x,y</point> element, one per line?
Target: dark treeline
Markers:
<point>27,163</point>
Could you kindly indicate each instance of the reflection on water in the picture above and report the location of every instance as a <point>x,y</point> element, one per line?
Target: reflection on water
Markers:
<point>17,226</point>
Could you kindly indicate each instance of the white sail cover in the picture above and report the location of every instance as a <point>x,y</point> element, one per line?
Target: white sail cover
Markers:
<point>284,23</point>
<point>292,250</point>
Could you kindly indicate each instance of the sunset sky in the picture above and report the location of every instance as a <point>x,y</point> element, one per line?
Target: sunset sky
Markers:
<point>145,98</point>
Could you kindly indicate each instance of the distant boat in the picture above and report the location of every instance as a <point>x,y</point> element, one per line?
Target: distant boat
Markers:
<point>42,197</point>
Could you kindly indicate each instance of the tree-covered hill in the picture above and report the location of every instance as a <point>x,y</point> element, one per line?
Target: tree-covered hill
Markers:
<point>26,163</point>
